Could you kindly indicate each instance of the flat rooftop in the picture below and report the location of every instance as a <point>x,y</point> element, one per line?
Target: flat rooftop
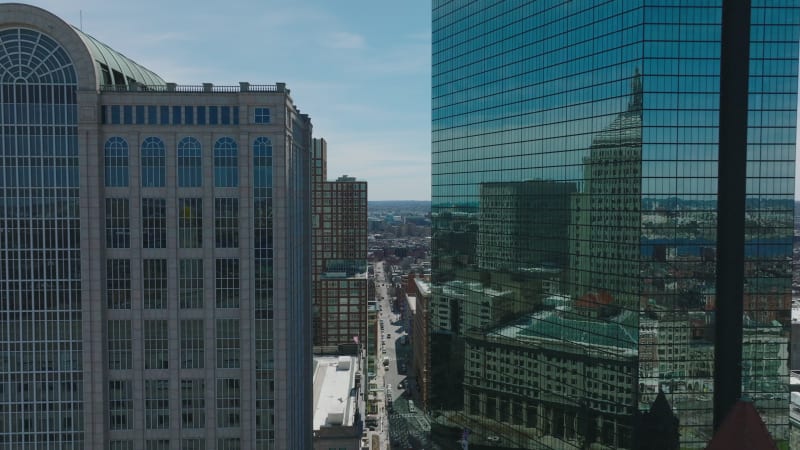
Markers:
<point>334,396</point>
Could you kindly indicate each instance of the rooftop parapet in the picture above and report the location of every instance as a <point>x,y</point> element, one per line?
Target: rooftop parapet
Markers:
<point>193,89</point>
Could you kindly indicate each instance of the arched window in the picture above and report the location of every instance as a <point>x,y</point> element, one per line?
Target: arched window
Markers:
<point>262,162</point>
<point>153,162</point>
<point>190,163</point>
<point>116,162</point>
<point>226,163</point>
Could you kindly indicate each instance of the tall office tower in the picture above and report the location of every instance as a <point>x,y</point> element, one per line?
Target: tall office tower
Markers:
<point>155,288</point>
<point>339,231</point>
<point>585,253</point>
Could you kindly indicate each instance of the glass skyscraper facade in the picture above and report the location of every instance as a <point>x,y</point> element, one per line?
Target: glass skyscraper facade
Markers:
<point>575,161</point>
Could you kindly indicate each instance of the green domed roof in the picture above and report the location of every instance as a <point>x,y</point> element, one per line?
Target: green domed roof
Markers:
<point>112,67</point>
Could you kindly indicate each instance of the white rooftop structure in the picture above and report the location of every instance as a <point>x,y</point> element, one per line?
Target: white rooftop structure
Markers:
<point>334,396</point>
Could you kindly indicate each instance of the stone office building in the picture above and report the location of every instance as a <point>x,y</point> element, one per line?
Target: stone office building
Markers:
<point>155,249</point>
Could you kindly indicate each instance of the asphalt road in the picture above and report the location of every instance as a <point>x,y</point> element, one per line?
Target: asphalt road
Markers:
<point>406,428</point>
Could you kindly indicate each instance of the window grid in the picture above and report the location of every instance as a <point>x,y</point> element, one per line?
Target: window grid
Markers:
<point>226,163</point>
<point>193,403</point>
<point>154,279</point>
<point>190,222</point>
<point>118,223</point>
<point>118,283</point>
<point>228,402</point>
<point>229,444</point>
<point>191,282</point>
<point>192,344</point>
<point>227,343</point>
<point>156,344</point>
<point>116,162</point>
<point>154,223</point>
<point>119,344</point>
<point>193,444</point>
<point>226,222</point>
<point>156,444</point>
<point>117,444</point>
<point>156,404</point>
<point>262,234</point>
<point>226,288</point>
<point>120,405</point>
<point>190,163</point>
<point>262,115</point>
<point>153,162</point>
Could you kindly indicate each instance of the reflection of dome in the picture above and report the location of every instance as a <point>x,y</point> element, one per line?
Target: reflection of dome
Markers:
<point>626,129</point>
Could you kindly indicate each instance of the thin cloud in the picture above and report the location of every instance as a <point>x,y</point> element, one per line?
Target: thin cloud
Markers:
<point>344,40</point>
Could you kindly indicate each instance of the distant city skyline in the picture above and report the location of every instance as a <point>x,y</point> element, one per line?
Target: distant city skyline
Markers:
<point>360,69</point>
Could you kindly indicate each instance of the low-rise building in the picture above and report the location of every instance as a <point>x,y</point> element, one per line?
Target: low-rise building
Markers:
<point>337,416</point>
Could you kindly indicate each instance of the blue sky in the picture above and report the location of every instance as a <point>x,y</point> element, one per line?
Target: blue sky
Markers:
<point>359,68</point>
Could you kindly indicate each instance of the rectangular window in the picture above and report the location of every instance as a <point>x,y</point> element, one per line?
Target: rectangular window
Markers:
<point>120,405</point>
<point>190,283</point>
<point>116,115</point>
<point>127,117</point>
<point>154,280</point>
<point>201,115</point>
<point>190,222</point>
<point>156,404</point>
<point>156,344</point>
<point>139,114</point>
<point>188,115</point>
<point>262,115</point>
<point>228,444</point>
<point>118,283</point>
<point>228,401</point>
<point>119,344</point>
<point>226,286</point>
<point>164,115</point>
<point>152,115</point>
<point>225,115</point>
<point>226,222</point>
<point>176,115</point>
<point>156,444</point>
<point>236,115</point>
<point>193,444</point>
<point>212,115</point>
<point>192,344</point>
<point>193,403</point>
<point>117,444</point>
<point>118,223</point>
<point>227,343</point>
<point>154,223</point>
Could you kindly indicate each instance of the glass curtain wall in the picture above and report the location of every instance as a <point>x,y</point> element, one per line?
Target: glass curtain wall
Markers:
<point>574,162</point>
<point>41,378</point>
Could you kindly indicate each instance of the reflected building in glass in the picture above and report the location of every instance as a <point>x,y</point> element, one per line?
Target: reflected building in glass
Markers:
<point>575,162</point>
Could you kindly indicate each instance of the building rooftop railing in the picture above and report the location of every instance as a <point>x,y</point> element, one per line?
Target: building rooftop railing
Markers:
<point>203,88</point>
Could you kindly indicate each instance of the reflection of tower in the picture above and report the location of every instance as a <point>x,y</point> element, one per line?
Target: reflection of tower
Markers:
<point>605,230</point>
<point>523,225</point>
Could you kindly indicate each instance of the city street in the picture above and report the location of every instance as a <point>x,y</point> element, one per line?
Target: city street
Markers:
<point>406,422</point>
